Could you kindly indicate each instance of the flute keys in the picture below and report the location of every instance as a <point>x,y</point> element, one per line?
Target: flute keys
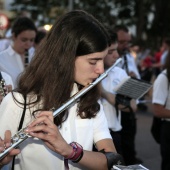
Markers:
<point>22,135</point>
<point>15,138</point>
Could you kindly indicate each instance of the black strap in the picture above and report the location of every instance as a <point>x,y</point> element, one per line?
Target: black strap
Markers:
<point>19,128</point>
<point>23,115</point>
<point>126,64</point>
<point>116,107</point>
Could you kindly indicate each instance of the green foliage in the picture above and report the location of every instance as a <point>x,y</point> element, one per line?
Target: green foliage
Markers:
<point>110,12</point>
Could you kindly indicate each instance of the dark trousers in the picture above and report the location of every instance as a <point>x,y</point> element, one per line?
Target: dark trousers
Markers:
<point>128,133</point>
<point>116,136</point>
<point>165,145</point>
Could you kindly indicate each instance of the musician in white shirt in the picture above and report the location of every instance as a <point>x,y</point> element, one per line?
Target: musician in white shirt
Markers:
<point>114,78</point>
<point>128,119</point>
<point>12,60</point>
<point>161,109</point>
<point>128,61</point>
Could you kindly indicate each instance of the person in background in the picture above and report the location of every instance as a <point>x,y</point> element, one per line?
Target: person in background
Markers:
<point>39,37</point>
<point>145,67</point>
<point>128,119</point>
<point>161,108</point>
<point>160,56</point>
<point>70,58</point>
<point>165,50</point>
<point>124,42</point>
<point>15,58</point>
<point>114,78</point>
<point>156,65</point>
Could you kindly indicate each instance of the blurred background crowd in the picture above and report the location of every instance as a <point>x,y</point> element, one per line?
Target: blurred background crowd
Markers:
<point>146,23</point>
<point>146,20</point>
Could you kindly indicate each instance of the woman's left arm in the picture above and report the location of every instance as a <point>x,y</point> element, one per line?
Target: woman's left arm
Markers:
<point>44,128</point>
<point>98,160</point>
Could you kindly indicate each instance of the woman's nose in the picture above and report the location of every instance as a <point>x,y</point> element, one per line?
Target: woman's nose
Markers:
<point>100,68</point>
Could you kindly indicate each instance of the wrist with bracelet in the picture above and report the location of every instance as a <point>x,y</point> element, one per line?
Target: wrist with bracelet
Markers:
<point>77,152</point>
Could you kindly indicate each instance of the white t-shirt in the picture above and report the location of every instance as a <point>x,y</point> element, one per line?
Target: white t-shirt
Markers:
<point>5,43</point>
<point>161,91</point>
<point>115,76</point>
<point>11,63</point>
<point>34,153</point>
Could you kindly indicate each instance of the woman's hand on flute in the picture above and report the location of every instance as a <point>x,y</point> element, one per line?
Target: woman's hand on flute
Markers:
<point>44,128</point>
<point>4,144</point>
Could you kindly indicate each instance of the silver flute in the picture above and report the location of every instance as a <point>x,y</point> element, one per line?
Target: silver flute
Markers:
<point>21,135</point>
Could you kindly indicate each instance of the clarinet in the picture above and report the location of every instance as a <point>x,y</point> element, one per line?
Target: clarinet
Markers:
<point>21,135</point>
<point>26,58</point>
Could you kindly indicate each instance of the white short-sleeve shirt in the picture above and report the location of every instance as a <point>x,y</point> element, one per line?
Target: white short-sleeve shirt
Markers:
<point>115,76</point>
<point>11,63</point>
<point>34,154</point>
<point>161,91</point>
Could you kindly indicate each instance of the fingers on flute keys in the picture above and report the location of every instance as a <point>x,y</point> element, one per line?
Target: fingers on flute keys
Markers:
<point>6,142</point>
<point>2,146</point>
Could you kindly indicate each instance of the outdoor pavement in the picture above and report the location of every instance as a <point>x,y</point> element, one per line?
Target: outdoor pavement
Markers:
<point>147,149</point>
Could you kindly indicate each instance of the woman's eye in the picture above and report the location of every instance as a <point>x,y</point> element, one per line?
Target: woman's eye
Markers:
<point>110,52</point>
<point>93,62</point>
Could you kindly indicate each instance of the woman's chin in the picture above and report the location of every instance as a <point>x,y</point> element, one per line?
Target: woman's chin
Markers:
<point>85,83</point>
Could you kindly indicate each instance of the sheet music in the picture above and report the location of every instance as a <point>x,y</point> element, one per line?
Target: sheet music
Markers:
<point>133,88</point>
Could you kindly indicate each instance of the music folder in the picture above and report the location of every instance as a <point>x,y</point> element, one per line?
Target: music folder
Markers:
<point>133,88</point>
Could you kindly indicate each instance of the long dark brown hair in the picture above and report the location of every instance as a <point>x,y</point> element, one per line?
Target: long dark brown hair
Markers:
<point>50,75</point>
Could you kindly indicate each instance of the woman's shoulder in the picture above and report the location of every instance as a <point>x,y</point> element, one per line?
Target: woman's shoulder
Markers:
<point>12,97</point>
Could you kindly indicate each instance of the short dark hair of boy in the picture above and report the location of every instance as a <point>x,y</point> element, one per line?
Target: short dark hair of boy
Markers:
<point>22,24</point>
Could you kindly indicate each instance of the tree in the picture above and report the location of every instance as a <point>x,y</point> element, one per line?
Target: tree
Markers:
<point>49,9</point>
<point>134,13</point>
